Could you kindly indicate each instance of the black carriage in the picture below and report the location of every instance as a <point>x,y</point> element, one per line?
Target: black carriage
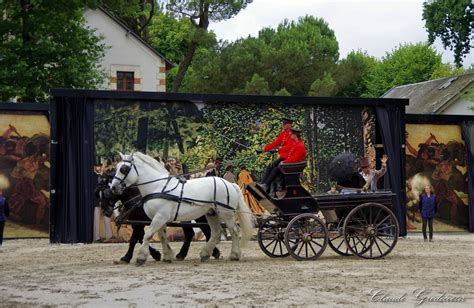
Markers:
<point>358,223</point>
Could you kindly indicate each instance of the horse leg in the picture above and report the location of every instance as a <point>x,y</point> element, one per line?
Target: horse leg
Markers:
<point>157,223</point>
<point>167,251</point>
<point>235,253</point>
<point>155,254</point>
<point>188,237</point>
<point>207,233</point>
<point>215,236</point>
<point>137,236</point>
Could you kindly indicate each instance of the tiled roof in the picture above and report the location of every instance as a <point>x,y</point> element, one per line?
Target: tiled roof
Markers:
<point>432,96</point>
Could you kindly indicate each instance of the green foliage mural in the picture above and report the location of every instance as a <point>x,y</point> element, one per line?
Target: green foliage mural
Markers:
<point>194,132</point>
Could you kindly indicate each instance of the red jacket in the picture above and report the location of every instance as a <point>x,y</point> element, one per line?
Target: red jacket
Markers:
<point>284,141</point>
<point>297,153</point>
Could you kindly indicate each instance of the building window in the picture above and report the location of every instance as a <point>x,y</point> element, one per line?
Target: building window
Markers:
<point>125,81</point>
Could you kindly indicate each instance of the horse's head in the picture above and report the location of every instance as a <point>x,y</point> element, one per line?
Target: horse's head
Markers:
<point>125,175</point>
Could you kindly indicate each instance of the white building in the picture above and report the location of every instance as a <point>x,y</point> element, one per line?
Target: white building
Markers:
<point>451,95</point>
<point>130,62</point>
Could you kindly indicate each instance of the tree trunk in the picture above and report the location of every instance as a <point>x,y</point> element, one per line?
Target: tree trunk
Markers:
<point>25,41</point>
<point>25,33</point>
<point>184,65</point>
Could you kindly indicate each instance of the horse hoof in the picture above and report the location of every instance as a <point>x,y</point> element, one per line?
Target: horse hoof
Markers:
<point>204,258</point>
<point>140,262</point>
<point>234,258</point>
<point>117,262</point>
<point>157,257</point>
<point>179,257</point>
<point>124,260</point>
<point>216,254</point>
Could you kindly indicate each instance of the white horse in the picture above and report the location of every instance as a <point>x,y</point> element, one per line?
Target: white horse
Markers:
<point>167,198</point>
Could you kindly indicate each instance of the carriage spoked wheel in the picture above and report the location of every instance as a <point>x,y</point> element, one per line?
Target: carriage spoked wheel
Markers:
<point>270,238</point>
<point>371,231</point>
<point>306,237</point>
<point>336,239</point>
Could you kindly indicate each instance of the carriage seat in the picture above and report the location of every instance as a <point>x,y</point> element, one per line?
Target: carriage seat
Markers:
<point>293,168</point>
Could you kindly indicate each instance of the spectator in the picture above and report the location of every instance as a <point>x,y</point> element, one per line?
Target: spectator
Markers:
<point>372,176</point>
<point>428,209</point>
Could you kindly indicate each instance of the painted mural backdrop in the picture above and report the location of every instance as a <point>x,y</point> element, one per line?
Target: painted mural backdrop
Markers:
<point>195,133</point>
<point>436,155</point>
<point>24,172</point>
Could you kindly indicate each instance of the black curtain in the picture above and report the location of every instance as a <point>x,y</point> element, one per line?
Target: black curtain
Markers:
<point>391,124</point>
<point>72,177</point>
<point>468,135</point>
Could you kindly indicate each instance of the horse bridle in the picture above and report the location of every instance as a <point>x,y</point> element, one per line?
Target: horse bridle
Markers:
<point>125,169</point>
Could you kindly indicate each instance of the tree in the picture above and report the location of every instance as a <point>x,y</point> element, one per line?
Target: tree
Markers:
<point>45,45</point>
<point>453,22</point>
<point>200,13</point>
<point>137,14</point>
<point>409,63</point>
<point>170,36</point>
<point>282,92</point>
<point>291,56</point>
<point>325,86</point>
<point>351,74</point>
<point>257,86</point>
<point>446,70</point>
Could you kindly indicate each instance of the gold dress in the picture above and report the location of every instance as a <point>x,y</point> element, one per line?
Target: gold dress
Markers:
<point>245,178</point>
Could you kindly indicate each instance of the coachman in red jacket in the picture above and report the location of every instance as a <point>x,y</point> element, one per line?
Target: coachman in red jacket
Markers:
<point>282,142</point>
<point>281,145</point>
<point>296,152</point>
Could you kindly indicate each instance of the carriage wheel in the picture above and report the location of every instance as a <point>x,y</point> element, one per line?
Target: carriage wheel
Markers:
<point>371,231</point>
<point>306,237</point>
<point>336,240</point>
<point>270,238</point>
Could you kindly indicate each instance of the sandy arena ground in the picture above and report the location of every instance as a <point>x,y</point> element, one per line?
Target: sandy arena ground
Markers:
<point>35,273</point>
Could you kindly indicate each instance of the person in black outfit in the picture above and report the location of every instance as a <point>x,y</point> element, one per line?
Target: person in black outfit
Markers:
<point>4,213</point>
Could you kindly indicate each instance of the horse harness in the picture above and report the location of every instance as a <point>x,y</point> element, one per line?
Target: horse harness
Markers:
<point>165,194</point>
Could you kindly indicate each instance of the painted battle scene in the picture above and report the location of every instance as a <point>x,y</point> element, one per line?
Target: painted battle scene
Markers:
<point>24,172</point>
<point>436,155</point>
<point>222,138</point>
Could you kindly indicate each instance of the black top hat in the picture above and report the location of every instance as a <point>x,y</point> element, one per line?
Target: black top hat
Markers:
<point>287,120</point>
<point>296,131</point>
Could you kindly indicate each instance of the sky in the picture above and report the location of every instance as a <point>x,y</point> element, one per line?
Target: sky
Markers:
<point>375,26</point>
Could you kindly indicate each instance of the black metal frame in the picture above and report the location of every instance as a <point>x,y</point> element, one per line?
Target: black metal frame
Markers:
<point>411,118</point>
<point>61,96</point>
<point>225,98</point>
<point>24,107</point>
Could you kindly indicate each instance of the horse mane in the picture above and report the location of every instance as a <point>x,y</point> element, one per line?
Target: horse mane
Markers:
<point>150,161</point>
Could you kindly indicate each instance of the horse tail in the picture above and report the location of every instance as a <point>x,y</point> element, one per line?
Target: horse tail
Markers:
<point>245,218</point>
